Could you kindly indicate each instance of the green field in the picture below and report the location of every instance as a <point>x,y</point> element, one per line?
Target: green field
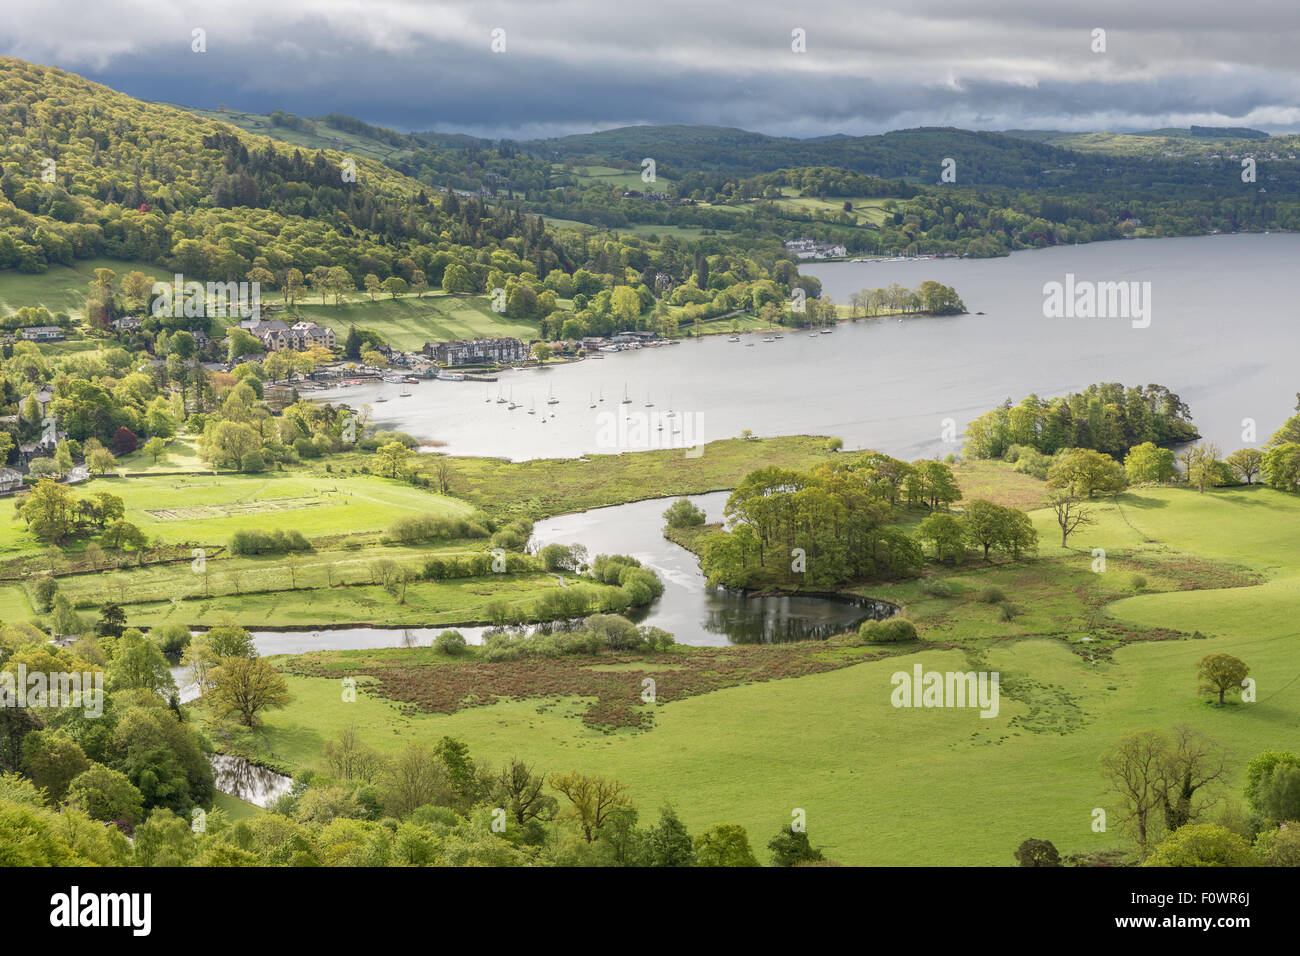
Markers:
<point>873,779</point>
<point>409,321</point>
<point>63,288</point>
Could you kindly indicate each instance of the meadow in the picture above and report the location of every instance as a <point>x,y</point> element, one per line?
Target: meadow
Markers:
<point>883,785</point>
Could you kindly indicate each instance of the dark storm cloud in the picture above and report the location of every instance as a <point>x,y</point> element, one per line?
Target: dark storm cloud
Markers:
<point>573,65</point>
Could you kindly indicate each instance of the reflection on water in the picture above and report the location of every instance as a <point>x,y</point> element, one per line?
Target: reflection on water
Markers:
<point>249,782</point>
<point>781,619</point>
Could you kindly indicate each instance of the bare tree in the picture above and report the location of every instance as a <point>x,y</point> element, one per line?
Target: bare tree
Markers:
<point>1071,514</point>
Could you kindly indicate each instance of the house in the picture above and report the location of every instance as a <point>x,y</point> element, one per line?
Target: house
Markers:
<point>42,333</point>
<point>43,398</point>
<point>812,249</point>
<point>10,479</point>
<point>276,336</point>
<point>303,335</point>
<point>128,322</point>
<point>476,351</point>
<point>635,336</point>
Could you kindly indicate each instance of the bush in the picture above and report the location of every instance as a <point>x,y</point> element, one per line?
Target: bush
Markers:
<point>892,630</point>
<point>1139,581</point>
<point>938,587</point>
<point>682,514</point>
<point>267,542</point>
<point>1007,610</point>
<point>451,643</point>
<point>252,462</point>
<point>991,594</point>
<point>418,529</point>
<point>172,639</point>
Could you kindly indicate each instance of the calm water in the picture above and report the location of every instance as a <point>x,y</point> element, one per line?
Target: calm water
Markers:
<point>249,782</point>
<point>690,611</point>
<point>1222,335</point>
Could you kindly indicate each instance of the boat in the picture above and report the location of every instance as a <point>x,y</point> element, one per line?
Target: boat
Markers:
<point>778,336</point>
<point>551,399</point>
<point>627,399</point>
<point>533,409</point>
<point>827,331</point>
<point>602,394</point>
<point>512,406</point>
<point>404,393</point>
<point>734,338</point>
<point>381,398</point>
<point>592,399</point>
<point>501,399</point>
<point>486,396</point>
<point>768,338</point>
<point>749,345</point>
<point>412,380</point>
<point>648,403</point>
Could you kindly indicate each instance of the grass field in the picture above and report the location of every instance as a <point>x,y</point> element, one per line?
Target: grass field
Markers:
<point>867,210</point>
<point>882,785</point>
<point>409,321</point>
<point>63,288</point>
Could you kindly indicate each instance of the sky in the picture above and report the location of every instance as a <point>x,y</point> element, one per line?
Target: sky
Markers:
<point>570,66</point>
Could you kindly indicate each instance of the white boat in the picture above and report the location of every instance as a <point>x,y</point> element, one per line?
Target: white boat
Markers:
<point>827,331</point>
<point>404,393</point>
<point>627,399</point>
<point>533,409</point>
<point>591,398</point>
<point>734,338</point>
<point>768,338</point>
<point>648,403</point>
<point>551,399</point>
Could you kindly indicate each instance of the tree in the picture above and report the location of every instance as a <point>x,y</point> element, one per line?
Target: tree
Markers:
<point>1070,514</point>
<point>1148,463</point>
<point>231,641</point>
<point>790,848</point>
<point>154,448</point>
<point>1281,468</point>
<point>1278,797</point>
<point>105,794</point>
<point>198,661</point>
<point>1085,472</point>
<point>1246,464</point>
<point>52,760</point>
<point>990,526</point>
<point>542,352</point>
<point>683,514</point>
<point>1200,464</point>
<point>101,461</point>
<point>393,459</point>
<point>372,285</point>
<point>947,535</point>
<point>668,843</point>
<point>591,799</point>
<point>1133,771</point>
<point>124,441</point>
<point>1037,853</point>
<point>1220,673</point>
<point>339,283</point>
<point>293,285</point>
<point>414,778</point>
<point>244,687</point>
<point>521,793</point>
<point>49,511</point>
<point>112,621</point>
<point>724,844</point>
<point>1203,844</point>
<point>139,664</point>
<point>395,286</point>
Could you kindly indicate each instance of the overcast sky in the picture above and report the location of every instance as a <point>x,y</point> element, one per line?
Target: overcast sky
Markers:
<point>577,65</point>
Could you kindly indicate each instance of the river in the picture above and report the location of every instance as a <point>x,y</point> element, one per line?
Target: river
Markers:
<point>1222,335</point>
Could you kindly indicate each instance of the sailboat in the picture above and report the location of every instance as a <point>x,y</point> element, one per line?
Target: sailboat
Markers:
<point>512,406</point>
<point>648,403</point>
<point>627,399</point>
<point>533,409</point>
<point>501,399</point>
<point>550,397</point>
<point>486,396</point>
<point>591,398</point>
<point>602,393</point>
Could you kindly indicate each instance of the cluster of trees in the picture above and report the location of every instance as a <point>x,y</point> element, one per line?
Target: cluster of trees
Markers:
<point>930,297</point>
<point>54,515</point>
<point>1108,418</point>
<point>827,526</point>
<point>983,526</point>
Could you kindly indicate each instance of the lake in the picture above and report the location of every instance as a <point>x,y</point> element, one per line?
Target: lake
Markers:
<point>1222,336</point>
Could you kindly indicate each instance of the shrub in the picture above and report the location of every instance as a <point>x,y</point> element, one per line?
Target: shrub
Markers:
<point>1139,581</point>
<point>252,462</point>
<point>683,514</point>
<point>267,542</point>
<point>1007,610</point>
<point>938,587</point>
<point>451,643</point>
<point>892,630</point>
<point>418,529</point>
<point>991,594</point>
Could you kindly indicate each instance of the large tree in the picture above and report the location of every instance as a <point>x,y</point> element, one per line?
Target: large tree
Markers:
<point>243,687</point>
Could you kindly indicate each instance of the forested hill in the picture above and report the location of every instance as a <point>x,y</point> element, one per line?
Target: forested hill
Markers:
<point>86,171</point>
<point>1091,161</point>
